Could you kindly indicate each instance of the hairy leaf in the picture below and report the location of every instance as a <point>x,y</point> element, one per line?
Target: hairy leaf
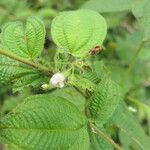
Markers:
<point>7,71</point>
<point>45,122</point>
<point>91,75</point>
<point>96,72</point>
<point>73,31</point>
<point>82,83</point>
<point>34,79</point>
<point>72,95</point>
<point>24,40</point>
<point>19,75</point>
<point>105,100</point>
<point>108,6</point>
<point>35,35</point>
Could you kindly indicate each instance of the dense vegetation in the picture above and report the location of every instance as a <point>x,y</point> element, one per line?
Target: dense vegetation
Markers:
<point>75,74</point>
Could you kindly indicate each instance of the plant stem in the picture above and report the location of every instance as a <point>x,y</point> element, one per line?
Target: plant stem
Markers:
<point>86,101</point>
<point>85,105</point>
<point>23,60</point>
<point>135,57</point>
<point>133,61</point>
<point>103,135</point>
<point>86,110</point>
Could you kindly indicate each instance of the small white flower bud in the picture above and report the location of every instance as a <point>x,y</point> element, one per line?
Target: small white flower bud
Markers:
<point>45,86</point>
<point>58,80</point>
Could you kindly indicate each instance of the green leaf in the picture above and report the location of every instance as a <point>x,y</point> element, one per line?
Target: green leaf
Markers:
<point>127,142</point>
<point>45,122</point>
<point>141,11</point>
<point>124,140</point>
<point>146,22</point>
<point>98,143</point>
<point>12,147</point>
<point>71,95</point>
<point>91,75</point>
<point>12,101</point>
<point>20,77</point>
<point>126,122</point>
<point>138,7</point>
<point>7,71</point>
<point>24,40</point>
<point>95,72</point>
<point>34,79</point>
<point>73,32</point>
<point>82,83</point>
<point>35,36</point>
<point>108,6</point>
<point>126,47</point>
<point>105,100</point>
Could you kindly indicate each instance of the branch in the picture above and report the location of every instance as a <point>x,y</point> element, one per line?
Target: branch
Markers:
<point>25,61</point>
<point>103,135</point>
<point>133,61</point>
<point>86,101</point>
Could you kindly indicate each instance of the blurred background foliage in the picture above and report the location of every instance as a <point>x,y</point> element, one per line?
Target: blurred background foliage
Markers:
<point>126,51</point>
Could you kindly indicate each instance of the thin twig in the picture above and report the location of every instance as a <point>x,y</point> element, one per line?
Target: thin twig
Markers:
<point>25,61</point>
<point>133,61</point>
<point>86,101</point>
<point>107,138</point>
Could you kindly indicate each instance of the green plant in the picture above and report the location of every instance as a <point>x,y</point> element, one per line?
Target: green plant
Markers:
<point>82,101</point>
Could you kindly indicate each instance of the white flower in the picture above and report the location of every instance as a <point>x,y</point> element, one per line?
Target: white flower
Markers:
<point>58,80</point>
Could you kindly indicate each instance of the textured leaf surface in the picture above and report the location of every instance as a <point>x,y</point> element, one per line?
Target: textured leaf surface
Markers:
<point>73,31</point>
<point>7,71</point>
<point>33,79</point>
<point>71,95</point>
<point>96,72</point>
<point>26,41</point>
<point>20,77</point>
<point>126,122</point>
<point>83,83</point>
<point>108,6</point>
<point>105,100</point>
<point>12,147</point>
<point>91,75</point>
<point>45,122</point>
<point>35,35</point>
